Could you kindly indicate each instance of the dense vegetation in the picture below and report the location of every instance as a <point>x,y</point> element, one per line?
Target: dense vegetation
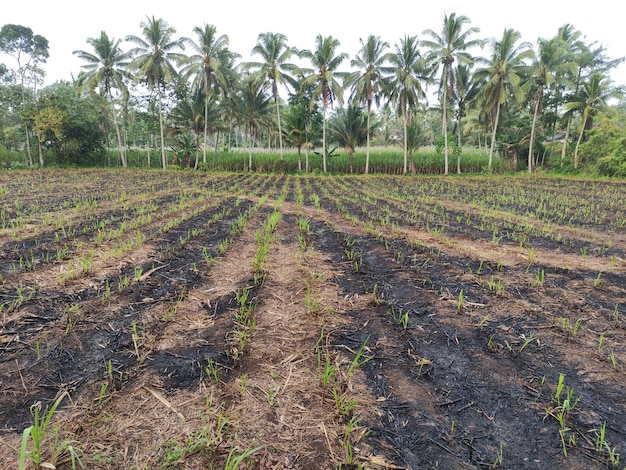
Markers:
<point>156,99</point>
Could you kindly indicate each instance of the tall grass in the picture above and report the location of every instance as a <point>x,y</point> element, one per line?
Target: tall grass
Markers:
<point>388,160</point>
<point>11,159</point>
<point>382,160</point>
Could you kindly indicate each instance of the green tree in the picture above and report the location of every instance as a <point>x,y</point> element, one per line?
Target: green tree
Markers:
<point>209,65</point>
<point>70,125</point>
<point>10,101</point>
<point>252,107</point>
<point>406,87</point>
<point>106,69</point>
<point>552,64</point>
<point>589,59</point>
<point>465,92</point>
<point>295,130</point>
<point>606,142</point>
<point>153,61</point>
<point>28,50</point>
<point>349,128</point>
<point>322,79</point>
<point>368,82</point>
<point>302,123</point>
<point>417,136</point>
<point>503,76</point>
<point>445,48</point>
<point>273,70</point>
<point>592,96</point>
<point>191,112</point>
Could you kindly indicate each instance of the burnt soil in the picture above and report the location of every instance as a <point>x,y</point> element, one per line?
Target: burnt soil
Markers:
<point>444,311</point>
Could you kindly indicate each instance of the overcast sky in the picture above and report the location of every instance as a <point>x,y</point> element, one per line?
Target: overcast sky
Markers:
<point>67,24</point>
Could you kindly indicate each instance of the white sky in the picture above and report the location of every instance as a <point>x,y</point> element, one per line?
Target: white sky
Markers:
<point>67,24</point>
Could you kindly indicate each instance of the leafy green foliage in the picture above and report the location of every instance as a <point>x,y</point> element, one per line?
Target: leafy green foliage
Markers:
<point>71,126</point>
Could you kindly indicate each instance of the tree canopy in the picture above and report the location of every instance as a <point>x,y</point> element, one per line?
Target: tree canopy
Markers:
<point>507,95</point>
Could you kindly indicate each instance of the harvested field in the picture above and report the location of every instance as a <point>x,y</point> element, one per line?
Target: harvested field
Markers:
<point>187,320</point>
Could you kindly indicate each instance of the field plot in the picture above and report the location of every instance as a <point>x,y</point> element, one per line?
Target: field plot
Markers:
<point>184,320</point>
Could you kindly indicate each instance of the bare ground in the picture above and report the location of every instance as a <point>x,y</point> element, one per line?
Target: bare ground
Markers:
<point>442,344</point>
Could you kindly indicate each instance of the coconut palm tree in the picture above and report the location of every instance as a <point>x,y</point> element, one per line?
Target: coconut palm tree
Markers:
<point>295,130</point>
<point>553,62</point>
<point>274,69</point>
<point>406,86</point>
<point>588,59</point>
<point>252,107</point>
<point>446,48</point>
<point>326,60</point>
<point>153,61</point>
<point>349,128</point>
<point>465,92</point>
<point>503,75</point>
<point>368,81</point>
<point>209,65</point>
<point>106,69</point>
<point>592,96</point>
<point>191,113</point>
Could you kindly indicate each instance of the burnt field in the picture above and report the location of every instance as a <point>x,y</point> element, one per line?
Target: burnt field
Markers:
<point>182,320</point>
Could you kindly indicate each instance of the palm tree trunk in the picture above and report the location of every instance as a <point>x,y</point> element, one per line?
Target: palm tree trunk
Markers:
<point>163,157</point>
<point>299,157</point>
<point>532,135</point>
<point>250,150</point>
<point>458,157</point>
<point>580,138</point>
<point>280,128</point>
<point>405,168</point>
<point>493,136</point>
<point>206,123</point>
<point>306,160</point>
<point>566,139</point>
<point>195,166</point>
<point>324,141</point>
<point>444,126</point>
<point>367,153</point>
<point>119,136</point>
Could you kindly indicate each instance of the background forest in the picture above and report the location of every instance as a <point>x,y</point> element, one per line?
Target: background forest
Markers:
<point>445,101</point>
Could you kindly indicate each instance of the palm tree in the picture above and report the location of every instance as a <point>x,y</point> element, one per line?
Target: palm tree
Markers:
<point>368,82</point>
<point>349,128</point>
<point>197,113</point>
<point>446,48</point>
<point>465,91</point>
<point>209,65</point>
<point>295,130</point>
<point>153,61</point>
<point>323,78</point>
<point>569,36</point>
<point>503,76</point>
<point>106,69</point>
<point>185,146</point>
<point>588,60</point>
<point>551,65</point>
<point>592,96</point>
<point>405,87</point>
<point>252,106</point>
<point>417,136</point>
<point>274,70</point>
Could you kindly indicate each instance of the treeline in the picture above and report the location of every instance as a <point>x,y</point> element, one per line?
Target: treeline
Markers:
<point>190,101</point>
